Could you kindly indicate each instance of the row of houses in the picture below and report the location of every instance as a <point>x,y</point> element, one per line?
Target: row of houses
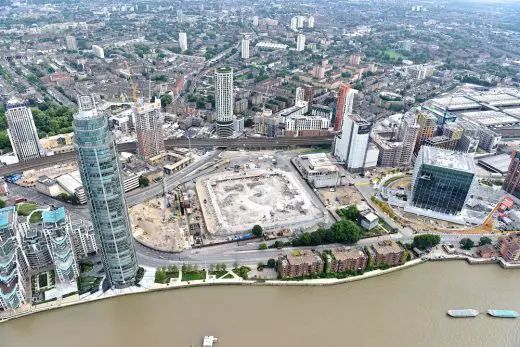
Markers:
<point>342,259</point>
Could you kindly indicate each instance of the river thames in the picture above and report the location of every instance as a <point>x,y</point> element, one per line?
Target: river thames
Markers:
<point>403,308</point>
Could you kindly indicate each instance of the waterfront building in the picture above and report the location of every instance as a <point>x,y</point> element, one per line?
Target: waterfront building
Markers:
<point>98,51</point>
<point>71,43</point>
<point>351,145</point>
<point>344,259</point>
<point>300,263</point>
<point>99,169</point>
<point>83,239</point>
<point>13,264</point>
<point>245,48</point>
<point>512,181</point>
<point>509,247</point>
<point>183,41</point>
<point>149,128</point>
<point>224,101</point>
<point>57,229</point>
<point>22,131</point>
<point>387,252</point>
<point>300,42</point>
<point>442,180</point>
<point>310,22</point>
<point>344,106</point>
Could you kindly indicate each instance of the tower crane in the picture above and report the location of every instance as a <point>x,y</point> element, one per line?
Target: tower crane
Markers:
<point>263,109</point>
<point>133,85</point>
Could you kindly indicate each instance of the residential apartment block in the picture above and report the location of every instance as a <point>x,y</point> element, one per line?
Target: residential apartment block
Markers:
<point>346,259</point>
<point>386,252</point>
<point>300,263</point>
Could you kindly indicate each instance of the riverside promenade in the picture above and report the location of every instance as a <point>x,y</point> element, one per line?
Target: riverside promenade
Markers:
<point>148,285</point>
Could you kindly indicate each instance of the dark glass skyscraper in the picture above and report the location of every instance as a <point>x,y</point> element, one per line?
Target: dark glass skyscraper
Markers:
<point>99,168</point>
<point>442,180</point>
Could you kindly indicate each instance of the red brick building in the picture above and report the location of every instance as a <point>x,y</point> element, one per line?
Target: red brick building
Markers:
<point>509,247</point>
<point>300,263</point>
<point>347,259</point>
<point>386,252</point>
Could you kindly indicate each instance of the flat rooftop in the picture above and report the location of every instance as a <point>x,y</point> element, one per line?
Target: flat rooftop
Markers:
<point>490,118</point>
<point>302,257</point>
<point>386,247</point>
<point>343,253</point>
<point>497,163</point>
<point>447,159</point>
<point>317,162</point>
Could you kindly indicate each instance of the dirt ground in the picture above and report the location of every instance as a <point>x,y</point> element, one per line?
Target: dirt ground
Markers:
<point>150,229</point>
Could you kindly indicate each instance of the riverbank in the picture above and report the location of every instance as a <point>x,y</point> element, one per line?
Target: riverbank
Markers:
<point>153,287</point>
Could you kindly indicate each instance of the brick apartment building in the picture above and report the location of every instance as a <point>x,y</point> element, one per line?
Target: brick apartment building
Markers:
<point>347,259</point>
<point>300,263</point>
<point>509,247</point>
<point>386,252</point>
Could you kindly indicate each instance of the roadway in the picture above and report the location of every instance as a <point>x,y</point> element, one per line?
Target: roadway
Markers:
<point>239,143</point>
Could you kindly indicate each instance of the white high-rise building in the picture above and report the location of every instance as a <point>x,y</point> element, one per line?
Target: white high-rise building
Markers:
<point>351,145</point>
<point>294,23</point>
<point>224,101</point>
<point>22,131</point>
<point>300,21</point>
<point>98,51</point>
<point>183,41</point>
<point>245,48</point>
<point>180,16</point>
<point>255,21</point>
<point>71,43</point>
<point>300,42</point>
<point>310,22</point>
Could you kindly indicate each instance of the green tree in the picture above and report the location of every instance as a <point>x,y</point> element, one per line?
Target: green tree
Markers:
<point>466,243</point>
<point>257,230</point>
<point>166,100</point>
<point>484,240</point>
<point>262,246</point>
<point>143,181</point>
<point>426,241</point>
<point>2,203</point>
<point>351,213</point>
<point>160,276</point>
<point>271,263</point>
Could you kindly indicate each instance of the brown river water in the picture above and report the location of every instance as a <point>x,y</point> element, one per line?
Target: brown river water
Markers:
<point>403,308</point>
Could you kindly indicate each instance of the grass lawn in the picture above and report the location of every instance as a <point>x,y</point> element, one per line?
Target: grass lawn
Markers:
<point>26,209</point>
<point>193,276</point>
<point>36,217</point>
<point>218,273</point>
<point>393,54</point>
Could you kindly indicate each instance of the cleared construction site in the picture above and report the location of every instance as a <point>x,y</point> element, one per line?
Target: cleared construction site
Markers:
<point>233,202</point>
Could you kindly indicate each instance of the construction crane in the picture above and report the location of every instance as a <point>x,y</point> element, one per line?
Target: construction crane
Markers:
<point>133,85</point>
<point>263,109</point>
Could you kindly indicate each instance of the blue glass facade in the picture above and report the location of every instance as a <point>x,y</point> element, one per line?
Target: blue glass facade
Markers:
<point>99,168</point>
<point>442,190</point>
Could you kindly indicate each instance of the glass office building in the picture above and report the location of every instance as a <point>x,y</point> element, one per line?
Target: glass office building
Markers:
<point>442,180</point>
<point>99,168</point>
